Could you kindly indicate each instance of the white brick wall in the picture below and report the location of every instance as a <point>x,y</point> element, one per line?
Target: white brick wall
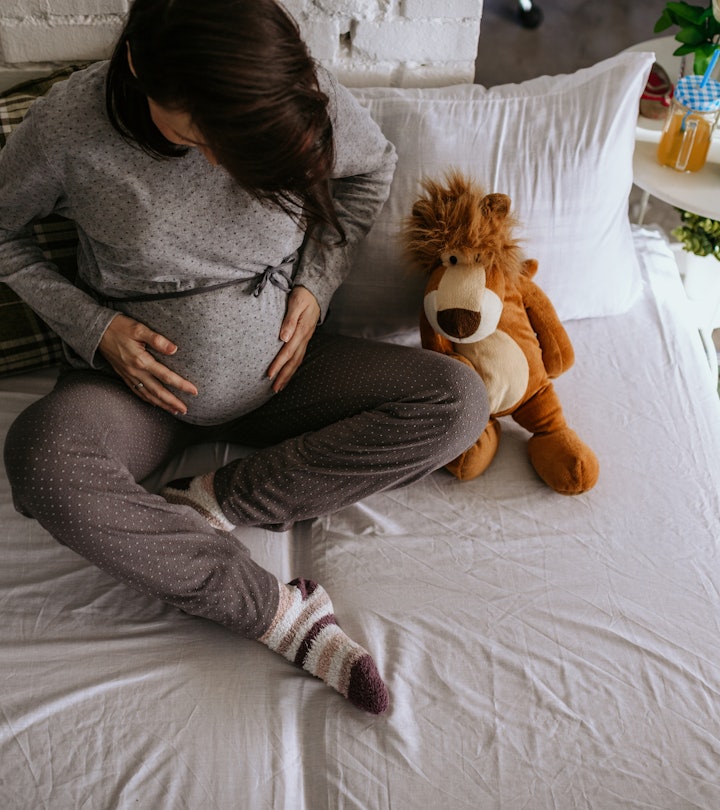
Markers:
<point>393,42</point>
<point>366,42</point>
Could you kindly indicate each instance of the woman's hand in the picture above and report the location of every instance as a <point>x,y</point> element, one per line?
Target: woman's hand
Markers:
<point>297,328</point>
<point>124,346</point>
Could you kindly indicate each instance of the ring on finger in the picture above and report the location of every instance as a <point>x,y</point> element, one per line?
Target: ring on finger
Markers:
<point>138,386</point>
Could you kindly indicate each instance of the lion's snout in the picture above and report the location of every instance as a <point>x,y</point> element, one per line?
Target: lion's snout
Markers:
<point>458,323</point>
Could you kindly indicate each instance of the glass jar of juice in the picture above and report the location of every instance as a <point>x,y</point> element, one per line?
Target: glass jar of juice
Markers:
<point>689,124</point>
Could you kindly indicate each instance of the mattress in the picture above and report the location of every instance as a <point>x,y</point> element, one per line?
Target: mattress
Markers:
<point>540,651</point>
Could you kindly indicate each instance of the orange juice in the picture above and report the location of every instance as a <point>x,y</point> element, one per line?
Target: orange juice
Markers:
<point>685,140</point>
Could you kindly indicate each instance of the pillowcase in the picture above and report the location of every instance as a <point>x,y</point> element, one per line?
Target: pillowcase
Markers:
<point>560,146</point>
<point>26,342</point>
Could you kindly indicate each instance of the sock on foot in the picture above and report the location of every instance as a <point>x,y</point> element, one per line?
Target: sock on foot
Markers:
<point>198,492</point>
<point>305,632</point>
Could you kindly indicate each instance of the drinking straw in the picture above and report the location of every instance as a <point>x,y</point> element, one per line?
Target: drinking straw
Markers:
<point>710,67</point>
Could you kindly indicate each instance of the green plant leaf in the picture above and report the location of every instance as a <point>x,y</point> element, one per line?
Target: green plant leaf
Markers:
<point>711,27</point>
<point>683,49</point>
<point>664,22</point>
<point>690,35</point>
<point>703,54</point>
<point>687,16</point>
<point>698,235</point>
<point>686,13</point>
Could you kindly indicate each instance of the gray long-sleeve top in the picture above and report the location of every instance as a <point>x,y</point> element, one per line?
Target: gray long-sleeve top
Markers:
<point>150,227</point>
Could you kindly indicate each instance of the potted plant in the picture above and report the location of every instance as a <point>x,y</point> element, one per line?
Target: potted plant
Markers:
<point>696,252</point>
<point>698,235</point>
<point>699,32</point>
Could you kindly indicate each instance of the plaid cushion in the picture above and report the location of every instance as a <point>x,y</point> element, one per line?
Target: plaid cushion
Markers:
<point>26,342</point>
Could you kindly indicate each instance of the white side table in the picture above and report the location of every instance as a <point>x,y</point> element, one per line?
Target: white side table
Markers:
<point>698,192</point>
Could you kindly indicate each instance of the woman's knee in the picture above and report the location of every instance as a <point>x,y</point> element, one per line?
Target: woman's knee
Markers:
<point>30,448</point>
<point>51,428</point>
<point>447,405</point>
<point>464,397</point>
<point>50,441</point>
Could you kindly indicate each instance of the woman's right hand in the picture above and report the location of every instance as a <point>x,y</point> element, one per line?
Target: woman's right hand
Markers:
<point>125,346</point>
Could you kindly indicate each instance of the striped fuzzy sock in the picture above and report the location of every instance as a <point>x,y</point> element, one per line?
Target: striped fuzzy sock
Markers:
<point>199,493</point>
<point>305,632</point>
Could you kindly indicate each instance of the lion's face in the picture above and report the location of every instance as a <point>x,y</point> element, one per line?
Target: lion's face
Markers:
<point>463,238</point>
<point>464,297</point>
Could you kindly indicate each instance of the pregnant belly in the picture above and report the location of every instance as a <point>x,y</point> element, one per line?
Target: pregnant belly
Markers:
<point>226,339</point>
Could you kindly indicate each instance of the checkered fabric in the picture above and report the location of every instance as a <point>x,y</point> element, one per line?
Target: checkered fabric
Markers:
<point>26,342</point>
<point>702,99</point>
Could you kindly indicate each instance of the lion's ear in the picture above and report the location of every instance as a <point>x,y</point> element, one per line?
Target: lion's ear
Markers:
<point>495,204</point>
<point>529,267</point>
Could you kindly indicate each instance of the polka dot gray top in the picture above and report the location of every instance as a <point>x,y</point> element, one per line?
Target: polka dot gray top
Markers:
<point>174,243</point>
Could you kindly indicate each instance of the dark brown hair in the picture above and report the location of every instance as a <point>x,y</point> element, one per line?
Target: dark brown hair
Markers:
<point>243,74</point>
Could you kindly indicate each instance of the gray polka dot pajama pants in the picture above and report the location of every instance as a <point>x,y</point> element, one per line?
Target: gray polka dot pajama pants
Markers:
<point>357,417</point>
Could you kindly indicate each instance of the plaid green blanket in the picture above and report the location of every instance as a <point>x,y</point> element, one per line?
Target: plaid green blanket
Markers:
<point>26,342</point>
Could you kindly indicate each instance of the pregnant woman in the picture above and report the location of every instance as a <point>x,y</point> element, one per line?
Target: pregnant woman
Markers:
<point>219,180</point>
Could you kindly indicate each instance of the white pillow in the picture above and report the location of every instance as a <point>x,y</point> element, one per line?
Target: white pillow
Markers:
<point>560,146</point>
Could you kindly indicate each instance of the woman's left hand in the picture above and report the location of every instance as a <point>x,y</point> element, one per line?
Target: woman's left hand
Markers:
<point>298,326</point>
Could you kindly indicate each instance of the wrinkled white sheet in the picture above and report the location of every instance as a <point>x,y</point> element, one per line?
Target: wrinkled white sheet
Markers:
<point>541,651</point>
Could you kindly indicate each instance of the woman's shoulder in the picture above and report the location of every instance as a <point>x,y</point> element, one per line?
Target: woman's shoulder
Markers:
<point>326,80</point>
<point>343,109</point>
<point>83,88</point>
<point>75,101</point>
<point>359,142</point>
<point>341,101</point>
<point>70,122</point>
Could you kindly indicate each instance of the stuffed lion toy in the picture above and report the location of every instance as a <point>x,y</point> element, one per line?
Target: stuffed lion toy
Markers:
<point>482,307</point>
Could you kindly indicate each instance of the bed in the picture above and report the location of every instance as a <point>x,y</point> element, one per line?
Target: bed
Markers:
<point>541,651</point>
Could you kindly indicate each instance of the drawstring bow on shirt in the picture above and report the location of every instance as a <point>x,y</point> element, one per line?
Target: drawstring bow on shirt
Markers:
<point>279,276</point>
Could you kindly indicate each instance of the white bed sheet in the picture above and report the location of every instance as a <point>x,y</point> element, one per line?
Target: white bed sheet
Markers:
<point>541,651</point>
